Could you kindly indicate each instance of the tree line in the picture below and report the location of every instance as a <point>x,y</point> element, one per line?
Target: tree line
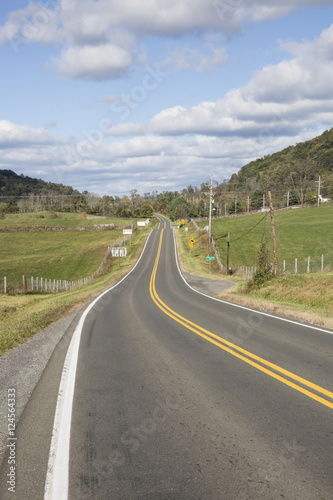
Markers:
<point>292,175</point>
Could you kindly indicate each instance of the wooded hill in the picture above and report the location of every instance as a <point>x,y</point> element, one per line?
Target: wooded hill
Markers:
<point>291,175</point>
<point>295,169</point>
<point>12,184</point>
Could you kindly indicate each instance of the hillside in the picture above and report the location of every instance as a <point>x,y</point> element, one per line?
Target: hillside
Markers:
<point>294,169</point>
<point>12,184</point>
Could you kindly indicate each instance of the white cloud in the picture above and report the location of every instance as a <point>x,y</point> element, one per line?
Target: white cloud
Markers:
<point>202,61</point>
<point>282,98</point>
<point>100,39</point>
<point>89,62</point>
<point>13,135</point>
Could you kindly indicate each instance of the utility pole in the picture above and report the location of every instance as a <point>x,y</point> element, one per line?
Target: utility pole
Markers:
<point>276,266</point>
<point>248,204</point>
<point>319,185</point>
<point>228,248</point>
<point>235,205</point>
<point>287,195</point>
<point>210,212</point>
<point>263,202</point>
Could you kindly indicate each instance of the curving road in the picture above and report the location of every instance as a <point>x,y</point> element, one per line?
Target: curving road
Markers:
<point>170,394</point>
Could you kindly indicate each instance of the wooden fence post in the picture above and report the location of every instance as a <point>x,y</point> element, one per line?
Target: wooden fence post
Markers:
<point>296,265</point>
<point>24,284</point>
<point>5,284</point>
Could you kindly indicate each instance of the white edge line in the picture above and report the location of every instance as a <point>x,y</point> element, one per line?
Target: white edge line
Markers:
<point>243,307</point>
<point>57,477</point>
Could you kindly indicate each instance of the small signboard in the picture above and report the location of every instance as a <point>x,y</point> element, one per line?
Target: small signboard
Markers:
<point>210,258</point>
<point>191,245</point>
<point>119,251</point>
<point>192,240</point>
<point>127,231</point>
<point>141,223</point>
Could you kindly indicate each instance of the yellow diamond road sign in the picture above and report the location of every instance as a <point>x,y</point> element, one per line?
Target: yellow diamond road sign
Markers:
<point>192,240</point>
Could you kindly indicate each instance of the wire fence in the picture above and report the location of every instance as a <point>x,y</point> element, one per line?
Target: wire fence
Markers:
<point>38,284</point>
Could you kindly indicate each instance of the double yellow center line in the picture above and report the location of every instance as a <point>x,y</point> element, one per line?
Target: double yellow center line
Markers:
<point>298,383</point>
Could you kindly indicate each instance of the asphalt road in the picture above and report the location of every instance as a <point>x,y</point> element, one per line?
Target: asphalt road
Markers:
<point>176,395</point>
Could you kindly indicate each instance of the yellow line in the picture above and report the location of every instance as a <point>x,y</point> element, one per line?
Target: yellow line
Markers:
<point>211,336</point>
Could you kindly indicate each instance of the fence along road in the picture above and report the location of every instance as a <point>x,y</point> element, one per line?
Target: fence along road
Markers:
<point>181,396</point>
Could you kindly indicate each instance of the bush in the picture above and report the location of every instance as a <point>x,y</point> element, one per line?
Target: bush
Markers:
<point>51,216</point>
<point>263,271</point>
<point>82,216</point>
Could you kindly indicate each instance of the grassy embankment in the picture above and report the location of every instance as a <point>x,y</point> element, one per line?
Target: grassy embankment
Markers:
<point>308,296</point>
<point>63,255</point>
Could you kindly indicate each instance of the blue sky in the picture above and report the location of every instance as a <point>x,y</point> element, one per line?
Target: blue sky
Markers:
<point>113,95</point>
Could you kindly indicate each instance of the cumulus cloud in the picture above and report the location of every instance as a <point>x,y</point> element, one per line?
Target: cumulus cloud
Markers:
<point>281,98</point>
<point>92,62</point>
<point>12,134</point>
<point>99,39</point>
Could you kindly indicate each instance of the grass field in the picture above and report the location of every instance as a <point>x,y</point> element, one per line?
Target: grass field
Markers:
<point>300,233</point>
<point>307,296</point>
<point>23,315</point>
<point>62,219</point>
<point>68,255</point>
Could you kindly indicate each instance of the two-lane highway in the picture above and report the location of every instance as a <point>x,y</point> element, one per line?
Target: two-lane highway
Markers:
<point>170,394</point>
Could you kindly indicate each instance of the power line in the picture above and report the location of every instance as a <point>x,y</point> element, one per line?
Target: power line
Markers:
<point>257,224</point>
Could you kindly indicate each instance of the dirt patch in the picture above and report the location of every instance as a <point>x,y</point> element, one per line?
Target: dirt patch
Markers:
<point>209,286</point>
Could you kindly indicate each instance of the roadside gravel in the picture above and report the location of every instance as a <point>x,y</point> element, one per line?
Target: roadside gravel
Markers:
<point>21,369</point>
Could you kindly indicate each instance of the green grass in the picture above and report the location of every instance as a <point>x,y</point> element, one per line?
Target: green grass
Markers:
<point>308,296</point>
<point>23,315</point>
<point>300,233</point>
<point>34,219</point>
<point>195,262</point>
<point>66,255</point>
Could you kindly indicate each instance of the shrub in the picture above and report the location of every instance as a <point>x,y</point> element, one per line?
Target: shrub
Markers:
<point>51,215</point>
<point>263,271</point>
<point>82,216</point>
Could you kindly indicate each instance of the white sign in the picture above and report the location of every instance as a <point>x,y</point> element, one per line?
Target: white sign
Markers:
<point>119,251</point>
<point>127,231</point>
<point>186,229</point>
<point>141,223</point>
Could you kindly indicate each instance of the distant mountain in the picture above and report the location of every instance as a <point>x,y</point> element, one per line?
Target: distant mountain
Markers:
<point>294,169</point>
<point>12,184</point>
